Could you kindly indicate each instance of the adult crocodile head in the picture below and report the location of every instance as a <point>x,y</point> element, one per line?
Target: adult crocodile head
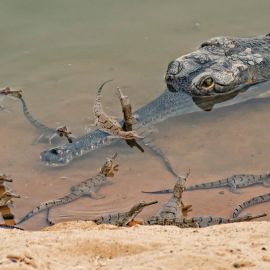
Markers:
<point>220,66</point>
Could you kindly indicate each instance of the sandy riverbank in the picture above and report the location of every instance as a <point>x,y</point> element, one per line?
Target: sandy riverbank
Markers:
<point>84,245</point>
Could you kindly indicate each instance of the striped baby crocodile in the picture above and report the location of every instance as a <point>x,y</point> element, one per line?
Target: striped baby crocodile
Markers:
<point>233,183</point>
<point>253,201</point>
<point>88,187</point>
<point>222,69</point>
<point>6,195</point>
<point>6,201</point>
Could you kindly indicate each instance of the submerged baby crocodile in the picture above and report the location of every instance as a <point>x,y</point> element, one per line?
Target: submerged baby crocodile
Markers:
<point>253,201</point>
<point>47,134</point>
<point>220,66</point>
<point>88,187</point>
<point>233,183</point>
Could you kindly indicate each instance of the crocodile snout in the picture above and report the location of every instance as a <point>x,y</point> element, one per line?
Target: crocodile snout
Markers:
<point>173,69</point>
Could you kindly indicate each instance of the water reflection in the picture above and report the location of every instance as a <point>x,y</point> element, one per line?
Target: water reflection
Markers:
<point>259,90</point>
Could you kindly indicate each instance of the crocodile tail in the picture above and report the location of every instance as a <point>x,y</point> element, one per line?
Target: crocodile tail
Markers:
<point>249,203</point>
<point>163,191</point>
<point>48,205</point>
<point>208,185</point>
<point>4,226</point>
<point>29,116</point>
<point>244,218</point>
<point>100,89</point>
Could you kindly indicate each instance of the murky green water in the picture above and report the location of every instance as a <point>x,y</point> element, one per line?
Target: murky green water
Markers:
<point>59,51</point>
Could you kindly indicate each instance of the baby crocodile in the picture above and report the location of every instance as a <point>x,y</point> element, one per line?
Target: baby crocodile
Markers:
<point>106,123</point>
<point>253,201</point>
<point>232,64</point>
<point>88,187</point>
<point>200,222</point>
<point>6,196</point>
<point>123,219</point>
<point>233,183</point>
<point>174,208</point>
<point>64,132</point>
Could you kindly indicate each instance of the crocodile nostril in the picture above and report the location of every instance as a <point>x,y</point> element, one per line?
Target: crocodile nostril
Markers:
<point>171,88</point>
<point>174,68</point>
<point>169,77</point>
<point>54,151</point>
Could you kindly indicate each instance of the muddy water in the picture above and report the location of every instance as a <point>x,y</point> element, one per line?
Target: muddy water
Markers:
<point>58,52</point>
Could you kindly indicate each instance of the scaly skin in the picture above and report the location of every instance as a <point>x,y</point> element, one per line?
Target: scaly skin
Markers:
<point>253,201</point>
<point>237,67</point>
<point>124,218</point>
<point>233,183</point>
<point>199,222</point>
<point>88,187</point>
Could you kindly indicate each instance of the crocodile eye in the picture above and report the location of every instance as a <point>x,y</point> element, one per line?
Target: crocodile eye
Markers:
<point>207,83</point>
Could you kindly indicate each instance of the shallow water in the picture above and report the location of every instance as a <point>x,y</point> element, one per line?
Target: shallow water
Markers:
<point>58,52</point>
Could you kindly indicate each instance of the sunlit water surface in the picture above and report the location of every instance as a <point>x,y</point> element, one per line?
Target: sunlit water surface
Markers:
<point>58,52</point>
